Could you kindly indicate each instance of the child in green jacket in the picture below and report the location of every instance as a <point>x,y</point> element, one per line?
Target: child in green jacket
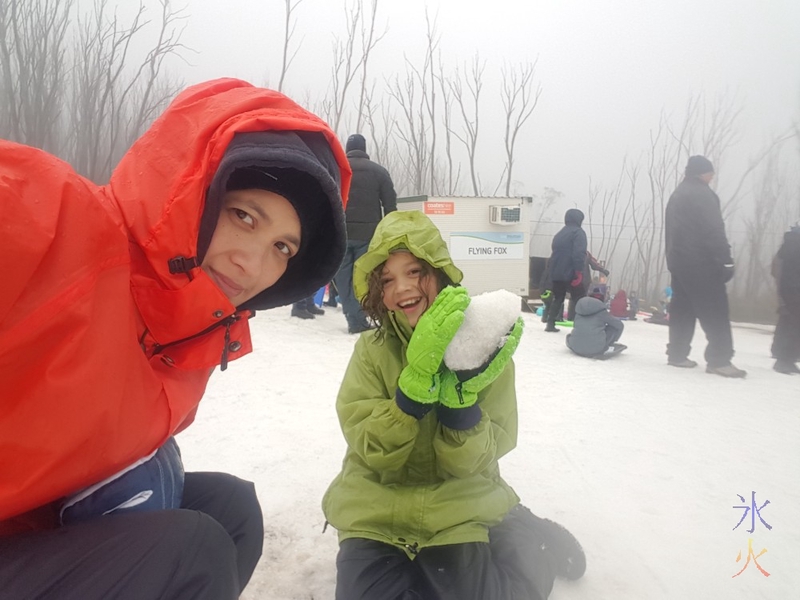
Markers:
<point>420,506</point>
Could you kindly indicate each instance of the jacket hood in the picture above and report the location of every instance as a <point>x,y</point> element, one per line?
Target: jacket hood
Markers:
<point>411,230</point>
<point>162,183</point>
<point>305,162</point>
<point>588,306</point>
<point>573,217</point>
<point>357,154</point>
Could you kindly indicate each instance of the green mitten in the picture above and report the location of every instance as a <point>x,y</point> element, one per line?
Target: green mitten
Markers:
<point>460,389</point>
<point>436,327</point>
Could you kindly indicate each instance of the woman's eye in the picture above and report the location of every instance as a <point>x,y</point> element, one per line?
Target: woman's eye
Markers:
<point>283,248</point>
<point>415,272</point>
<point>385,281</point>
<point>243,216</point>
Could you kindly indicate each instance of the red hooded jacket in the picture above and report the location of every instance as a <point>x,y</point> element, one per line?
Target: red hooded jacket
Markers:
<point>103,352</point>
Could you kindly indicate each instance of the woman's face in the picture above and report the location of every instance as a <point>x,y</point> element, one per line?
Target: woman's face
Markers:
<point>407,286</point>
<point>256,235</point>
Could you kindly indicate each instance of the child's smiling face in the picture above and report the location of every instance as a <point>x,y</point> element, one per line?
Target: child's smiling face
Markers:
<point>256,235</point>
<point>408,286</point>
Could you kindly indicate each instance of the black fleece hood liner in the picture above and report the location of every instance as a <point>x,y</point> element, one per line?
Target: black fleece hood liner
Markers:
<point>322,248</point>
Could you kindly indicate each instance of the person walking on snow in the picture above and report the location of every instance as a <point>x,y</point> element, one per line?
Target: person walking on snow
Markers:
<point>786,270</point>
<point>421,508</point>
<point>700,263</point>
<point>372,196</point>
<point>118,301</point>
<point>566,264</point>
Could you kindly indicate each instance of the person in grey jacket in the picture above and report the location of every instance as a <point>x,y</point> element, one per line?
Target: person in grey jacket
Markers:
<point>371,197</point>
<point>594,330</point>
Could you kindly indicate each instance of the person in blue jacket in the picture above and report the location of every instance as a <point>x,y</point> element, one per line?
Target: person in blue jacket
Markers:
<point>566,264</point>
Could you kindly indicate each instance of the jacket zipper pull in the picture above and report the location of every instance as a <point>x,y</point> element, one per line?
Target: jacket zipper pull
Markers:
<point>460,395</point>
<point>223,364</point>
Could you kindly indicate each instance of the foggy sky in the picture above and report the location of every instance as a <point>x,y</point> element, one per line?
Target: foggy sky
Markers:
<point>607,68</point>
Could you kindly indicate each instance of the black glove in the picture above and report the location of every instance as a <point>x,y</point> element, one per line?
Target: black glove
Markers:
<point>727,273</point>
<point>605,272</point>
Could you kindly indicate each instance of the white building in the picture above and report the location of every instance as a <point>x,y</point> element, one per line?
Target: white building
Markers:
<point>488,238</point>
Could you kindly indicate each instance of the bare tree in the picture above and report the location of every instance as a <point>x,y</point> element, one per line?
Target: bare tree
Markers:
<point>348,62</point>
<point>345,65</point>
<point>519,101</point>
<point>469,107</point>
<point>429,95</point>
<point>33,54</point>
<point>413,131</point>
<point>368,41</point>
<point>110,107</point>
<point>288,33</point>
<point>451,182</point>
<point>86,100</point>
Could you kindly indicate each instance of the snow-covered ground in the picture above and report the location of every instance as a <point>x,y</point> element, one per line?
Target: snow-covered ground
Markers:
<point>643,462</point>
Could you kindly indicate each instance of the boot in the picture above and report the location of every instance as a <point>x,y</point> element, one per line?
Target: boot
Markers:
<point>727,371</point>
<point>333,293</point>
<point>314,309</point>
<point>786,366</point>
<point>569,557</point>
<point>360,327</point>
<point>299,311</point>
<point>686,363</point>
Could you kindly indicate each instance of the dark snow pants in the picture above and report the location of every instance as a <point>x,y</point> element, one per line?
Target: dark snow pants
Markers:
<point>511,566</point>
<point>786,343</point>
<point>699,298</point>
<point>208,549</point>
<point>344,284</point>
<point>560,289</point>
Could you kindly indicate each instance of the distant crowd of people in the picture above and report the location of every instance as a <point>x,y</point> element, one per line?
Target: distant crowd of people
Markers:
<point>700,263</point>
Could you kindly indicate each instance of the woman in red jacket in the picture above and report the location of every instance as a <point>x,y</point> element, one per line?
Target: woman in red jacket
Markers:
<point>117,303</point>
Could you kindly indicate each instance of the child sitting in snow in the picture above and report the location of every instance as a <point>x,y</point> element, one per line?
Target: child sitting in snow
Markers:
<point>595,331</point>
<point>420,506</point>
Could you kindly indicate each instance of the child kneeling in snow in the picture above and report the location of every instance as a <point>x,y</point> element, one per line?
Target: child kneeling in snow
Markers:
<point>420,506</point>
<point>595,331</point>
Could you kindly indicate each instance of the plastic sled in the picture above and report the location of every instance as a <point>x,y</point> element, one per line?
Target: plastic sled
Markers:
<point>612,351</point>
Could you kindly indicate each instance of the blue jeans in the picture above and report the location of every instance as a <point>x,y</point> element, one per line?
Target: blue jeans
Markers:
<point>152,484</point>
<point>344,284</point>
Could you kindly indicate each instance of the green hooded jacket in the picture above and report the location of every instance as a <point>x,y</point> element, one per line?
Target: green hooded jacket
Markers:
<point>407,482</point>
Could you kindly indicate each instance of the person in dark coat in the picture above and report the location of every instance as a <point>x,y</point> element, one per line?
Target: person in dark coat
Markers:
<point>700,262</point>
<point>591,264</point>
<point>566,264</point>
<point>595,330</point>
<point>372,196</point>
<point>546,292</point>
<point>786,270</point>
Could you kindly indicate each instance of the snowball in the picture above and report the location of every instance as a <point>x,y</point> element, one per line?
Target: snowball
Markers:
<point>487,322</point>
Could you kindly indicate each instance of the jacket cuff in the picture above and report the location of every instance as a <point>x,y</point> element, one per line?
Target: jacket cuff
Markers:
<point>459,418</point>
<point>411,407</point>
